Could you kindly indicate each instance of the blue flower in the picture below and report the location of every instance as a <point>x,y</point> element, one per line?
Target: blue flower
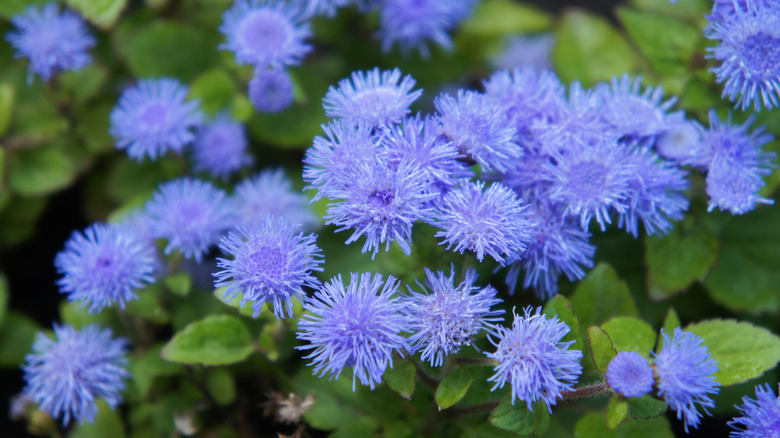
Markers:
<point>52,42</point>
<point>573,124</point>
<point>324,7</point>
<point>375,97</point>
<point>271,263</point>
<point>681,143</point>
<point>522,51</point>
<point>270,192</point>
<point>382,204</point>
<point>266,33</point>
<point>749,53</point>
<point>630,375</point>
<point>152,118</point>
<point>761,417</point>
<point>631,112</point>
<point>270,91</point>
<point>104,266</point>
<point>686,376</point>
<point>733,187</point>
<point>356,326</point>
<point>67,375</point>
<point>449,317</point>
<point>190,214</point>
<point>534,360</point>
<point>220,147</point>
<point>475,125</point>
<point>491,221</point>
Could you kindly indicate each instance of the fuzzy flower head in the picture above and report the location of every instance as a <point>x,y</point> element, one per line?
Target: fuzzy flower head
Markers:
<point>749,54</point>
<point>270,91</point>
<point>152,118</point>
<point>104,265</point>
<point>271,263</point>
<point>449,317</point>
<point>374,97</point>
<point>190,214</point>
<point>630,375</point>
<point>534,360</point>
<point>356,326</point>
<point>50,40</point>
<point>521,51</point>
<point>266,33</point>
<point>734,187</point>
<point>220,147</point>
<point>681,143</point>
<point>760,416</point>
<point>491,221</point>
<point>67,375</point>
<point>270,192</point>
<point>324,7</point>
<point>686,376</point>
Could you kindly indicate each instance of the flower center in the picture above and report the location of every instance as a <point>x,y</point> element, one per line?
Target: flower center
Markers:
<point>154,117</point>
<point>271,262</point>
<point>587,180</point>
<point>381,198</point>
<point>761,54</point>
<point>264,31</point>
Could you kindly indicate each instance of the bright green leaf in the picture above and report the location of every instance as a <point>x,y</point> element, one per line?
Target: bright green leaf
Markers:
<point>85,83</point>
<point>108,423</point>
<point>496,18</point>
<point>235,302</point>
<point>16,337</point>
<point>73,313</point>
<point>691,9</point>
<point>9,8</point>
<point>601,296</point>
<point>677,260</point>
<point>180,283</point>
<point>7,95</point>
<point>560,306</point>
<point>646,407</point>
<point>742,350</point>
<point>148,305</point>
<point>149,365</point>
<point>593,425</point>
<point>671,322</point>
<point>214,340</point>
<point>601,348</point>
<point>401,378</point>
<point>668,43</point>
<point>617,412</point>
<point>215,90</point>
<point>453,387</point>
<point>630,334</point>
<point>519,420</point>
<point>221,385</point>
<point>37,172</point>
<point>102,13</point>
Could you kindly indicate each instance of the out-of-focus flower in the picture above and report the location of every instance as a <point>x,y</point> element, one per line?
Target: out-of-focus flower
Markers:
<point>270,192</point>
<point>220,147</point>
<point>270,91</point>
<point>521,51</point>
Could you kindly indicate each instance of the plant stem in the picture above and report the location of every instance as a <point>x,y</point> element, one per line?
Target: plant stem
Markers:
<point>424,377</point>
<point>587,391</point>
<point>476,409</point>
<point>485,362</point>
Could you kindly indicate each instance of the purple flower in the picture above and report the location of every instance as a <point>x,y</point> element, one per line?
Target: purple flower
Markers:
<point>375,97</point>
<point>356,326</point>
<point>475,125</point>
<point>270,192</point>
<point>104,266</point>
<point>630,375</point>
<point>749,53</point>
<point>533,359</point>
<point>270,91</point>
<point>522,51</point>
<point>412,23</point>
<point>51,41</point>
<point>491,221</point>
<point>67,375</point>
<point>271,263</point>
<point>220,147</point>
<point>266,33</point>
<point>733,187</point>
<point>324,7</point>
<point>686,376</point>
<point>761,417</point>
<point>681,143</point>
<point>449,317</point>
<point>573,124</point>
<point>152,118</point>
<point>382,204</point>
<point>190,214</point>
<point>631,112</point>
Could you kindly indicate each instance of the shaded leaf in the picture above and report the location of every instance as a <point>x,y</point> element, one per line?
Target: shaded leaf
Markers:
<point>646,407</point>
<point>221,385</point>
<point>668,43</point>
<point>601,296</point>
<point>593,425</point>
<point>630,334</point>
<point>149,365</point>
<point>601,348</point>
<point>102,13</point>
<point>677,260</point>
<point>561,306</point>
<point>453,387</point>
<point>401,378</point>
<point>519,420</point>
<point>496,18</point>
<point>108,423</point>
<point>37,172</point>
<point>17,334</point>
<point>617,412</point>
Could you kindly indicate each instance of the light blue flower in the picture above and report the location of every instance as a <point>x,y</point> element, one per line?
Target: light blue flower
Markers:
<point>760,416</point>
<point>221,147</point>
<point>630,375</point>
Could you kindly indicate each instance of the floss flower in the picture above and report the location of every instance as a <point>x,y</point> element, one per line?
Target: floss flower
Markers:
<point>270,91</point>
<point>220,147</point>
<point>760,416</point>
<point>271,264</point>
<point>356,326</point>
<point>104,266</point>
<point>630,375</point>
<point>534,360</point>
<point>67,375</point>
<point>50,40</point>
<point>152,118</point>
<point>270,192</point>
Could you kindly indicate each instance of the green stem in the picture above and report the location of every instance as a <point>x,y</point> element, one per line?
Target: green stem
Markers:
<point>485,362</point>
<point>587,391</point>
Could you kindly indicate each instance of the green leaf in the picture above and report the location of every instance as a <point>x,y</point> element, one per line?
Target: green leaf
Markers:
<point>671,322</point>
<point>691,9</point>
<point>214,340</point>
<point>85,83</point>
<point>453,387</point>
<point>668,43</point>
<point>601,296</point>
<point>3,297</point>
<point>235,302</point>
<point>108,423</point>
<point>601,348</point>
<point>148,305</point>
<point>561,306</point>
<point>9,8</point>
<point>747,273</point>
<point>646,407</point>
<point>17,334</point>
<point>102,13</point>
<point>215,90</point>
<point>617,412</point>
<point>677,260</point>
<point>519,420</point>
<point>742,350</point>
<point>496,18</point>
<point>589,49</point>
<point>401,378</point>
<point>37,172</point>
<point>593,425</point>
<point>221,385</point>
<point>148,366</point>
<point>73,313</point>
<point>19,217</point>
<point>7,95</point>
<point>630,334</point>
<point>180,283</point>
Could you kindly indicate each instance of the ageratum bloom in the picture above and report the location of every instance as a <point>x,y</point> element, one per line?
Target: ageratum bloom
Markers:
<point>104,266</point>
<point>270,192</point>
<point>51,41</point>
<point>491,221</point>
<point>374,97</point>
<point>630,375</point>
<point>686,376</point>
<point>190,214</point>
<point>67,375</point>
<point>534,360</point>
<point>449,317</point>
<point>357,326</point>
<point>220,147</point>
<point>266,33</point>
<point>760,416</point>
<point>272,262</point>
<point>324,7</point>
<point>522,51</point>
<point>152,118</point>
<point>681,143</point>
<point>270,91</point>
<point>749,54</point>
